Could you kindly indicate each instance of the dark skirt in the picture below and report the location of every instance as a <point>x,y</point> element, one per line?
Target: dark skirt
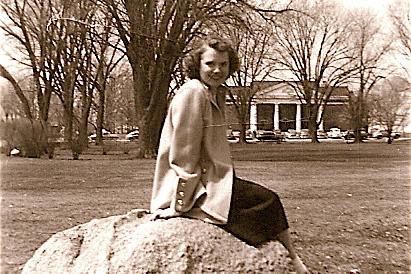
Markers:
<point>256,213</point>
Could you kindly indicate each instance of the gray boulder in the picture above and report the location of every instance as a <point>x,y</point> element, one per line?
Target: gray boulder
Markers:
<point>132,243</point>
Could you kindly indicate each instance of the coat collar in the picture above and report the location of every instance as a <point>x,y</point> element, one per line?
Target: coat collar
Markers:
<point>217,99</point>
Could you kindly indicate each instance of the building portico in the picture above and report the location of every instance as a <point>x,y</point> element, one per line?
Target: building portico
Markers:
<point>277,107</point>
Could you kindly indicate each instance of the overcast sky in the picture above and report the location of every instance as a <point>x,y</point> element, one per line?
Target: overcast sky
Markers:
<point>378,5</point>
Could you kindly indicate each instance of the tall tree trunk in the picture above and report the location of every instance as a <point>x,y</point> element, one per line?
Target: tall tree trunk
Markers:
<point>312,120</point>
<point>100,116</point>
<point>151,114</point>
<point>86,100</point>
<point>312,128</point>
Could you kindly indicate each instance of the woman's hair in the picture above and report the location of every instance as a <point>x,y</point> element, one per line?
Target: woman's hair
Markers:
<point>192,60</point>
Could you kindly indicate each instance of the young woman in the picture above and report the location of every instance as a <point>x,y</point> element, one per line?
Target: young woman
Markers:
<point>194,174</point>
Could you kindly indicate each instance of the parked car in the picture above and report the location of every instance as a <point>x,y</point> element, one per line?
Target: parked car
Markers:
<point>265,135</point>
<point>250,136</point>
<point>383,133</point>
<point>233,136</point>
<point>321,134</point>
<point>291,134</point>
<point>304,134</point>
<point>268,135</point>
<point>334,132</point>
<point>133,135</point>
<point>350,134</point>
<point>107,135</point>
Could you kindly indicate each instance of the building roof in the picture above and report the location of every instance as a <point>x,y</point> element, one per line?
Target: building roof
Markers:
<point>285,89</point>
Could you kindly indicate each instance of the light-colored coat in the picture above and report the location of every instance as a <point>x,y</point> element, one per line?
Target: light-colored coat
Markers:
<point>194,172</point>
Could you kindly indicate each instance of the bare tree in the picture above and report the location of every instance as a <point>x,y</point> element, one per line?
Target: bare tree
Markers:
<point>119,103</point>
<point>106,53</point>
<point>23,26</point>
<point>370,46</point>
<point>311,50</point>
<point>69,52</point>
<point>390,105</point>
<point>155,35</point>
<point>254,47</point>
<point>69,40</point>
<point>19,92</point>
<point>400,12</point>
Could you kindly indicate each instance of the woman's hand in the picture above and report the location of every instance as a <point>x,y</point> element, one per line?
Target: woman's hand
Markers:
<point>164,214</point>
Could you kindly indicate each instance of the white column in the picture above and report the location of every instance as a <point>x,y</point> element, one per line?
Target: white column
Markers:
<point>253,116</point>
<point>320,111</point>
<point>298,118</point>
<point>276,116</point>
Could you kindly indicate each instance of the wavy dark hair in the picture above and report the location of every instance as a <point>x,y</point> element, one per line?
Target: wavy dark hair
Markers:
<point>192,60</point>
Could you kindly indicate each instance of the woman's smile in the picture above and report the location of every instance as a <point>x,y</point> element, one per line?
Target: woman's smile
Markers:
<point>214,67</point>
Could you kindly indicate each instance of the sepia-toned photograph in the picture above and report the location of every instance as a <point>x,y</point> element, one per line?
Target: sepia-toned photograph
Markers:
<point>205,136</point>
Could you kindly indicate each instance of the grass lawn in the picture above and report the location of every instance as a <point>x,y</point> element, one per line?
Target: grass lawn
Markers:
<point>348,205</point>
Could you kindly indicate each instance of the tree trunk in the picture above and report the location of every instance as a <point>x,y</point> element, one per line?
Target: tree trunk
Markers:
<point>152,116</point>
<point>312,128</point>
<point>243,133</point>
<point>100,116</point>
<point>389,132</point>
<point>85,113</point>
<point>68,125</point>
<point>312,121</point>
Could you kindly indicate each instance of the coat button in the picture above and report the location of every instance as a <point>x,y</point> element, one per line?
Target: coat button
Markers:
<point>204,170</point>
<point>183,184</point>
<point>181,193</point>
<point>180,202</point>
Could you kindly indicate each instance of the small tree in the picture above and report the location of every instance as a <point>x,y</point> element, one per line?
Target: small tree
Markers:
<point>254,48</point>
<point>390,105</point>
<point>370,46</point>
<point>21,24</point>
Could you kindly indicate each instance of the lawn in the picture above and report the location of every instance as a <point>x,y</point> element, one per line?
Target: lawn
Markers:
<point>348,205</point>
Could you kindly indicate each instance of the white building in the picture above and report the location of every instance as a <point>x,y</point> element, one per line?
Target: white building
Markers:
<point>276,106</point>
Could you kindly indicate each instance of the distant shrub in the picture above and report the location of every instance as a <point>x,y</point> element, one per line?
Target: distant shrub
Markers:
<point>24,135</point>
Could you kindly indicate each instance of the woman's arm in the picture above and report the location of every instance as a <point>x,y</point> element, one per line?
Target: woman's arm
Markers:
<point>186,114</point>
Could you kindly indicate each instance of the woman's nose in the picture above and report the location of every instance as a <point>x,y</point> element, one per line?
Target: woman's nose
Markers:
<point>216,69</point>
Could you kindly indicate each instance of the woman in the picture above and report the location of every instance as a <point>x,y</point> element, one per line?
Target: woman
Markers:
<point>194,174</point>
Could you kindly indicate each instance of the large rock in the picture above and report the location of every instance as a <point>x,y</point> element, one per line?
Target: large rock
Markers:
<point>132,244</point>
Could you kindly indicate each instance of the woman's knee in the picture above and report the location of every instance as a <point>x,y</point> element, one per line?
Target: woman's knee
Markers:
<point>256,191</point>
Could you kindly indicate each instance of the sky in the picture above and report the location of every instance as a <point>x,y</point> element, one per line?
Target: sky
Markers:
<point>377,5</point>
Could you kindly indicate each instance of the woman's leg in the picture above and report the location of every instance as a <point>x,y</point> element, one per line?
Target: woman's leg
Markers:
<point>279,225</point>
<point>284,238</point>
<point>257,216</point>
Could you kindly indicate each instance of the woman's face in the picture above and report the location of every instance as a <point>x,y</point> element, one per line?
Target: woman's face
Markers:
<point>214,67</point>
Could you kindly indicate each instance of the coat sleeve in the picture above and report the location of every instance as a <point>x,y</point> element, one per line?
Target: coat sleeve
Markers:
<point>186,112</point>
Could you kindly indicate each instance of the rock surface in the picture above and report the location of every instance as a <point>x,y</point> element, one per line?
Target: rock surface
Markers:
<point>132,244</point>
